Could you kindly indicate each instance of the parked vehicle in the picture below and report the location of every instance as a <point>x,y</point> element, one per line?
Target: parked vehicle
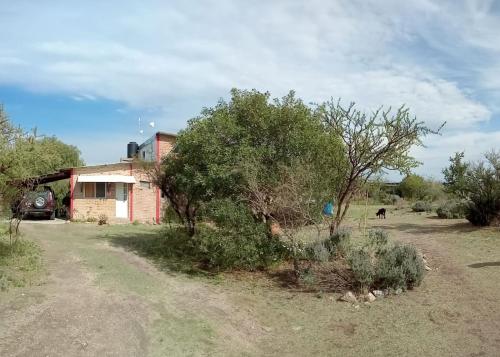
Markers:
<point>39,203</point>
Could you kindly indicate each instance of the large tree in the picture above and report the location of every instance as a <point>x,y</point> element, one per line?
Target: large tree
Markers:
<point>371,143</point>
<point>239,148</point>
<point>25,154</point>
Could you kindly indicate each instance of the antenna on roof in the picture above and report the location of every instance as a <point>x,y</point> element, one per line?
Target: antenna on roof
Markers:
<point>140,129</point>
<point>152,124</point>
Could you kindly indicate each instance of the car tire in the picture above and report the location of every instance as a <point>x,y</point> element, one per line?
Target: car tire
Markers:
<point>40,202</point>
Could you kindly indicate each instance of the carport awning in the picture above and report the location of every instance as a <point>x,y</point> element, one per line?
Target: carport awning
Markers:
<point>106,178</point>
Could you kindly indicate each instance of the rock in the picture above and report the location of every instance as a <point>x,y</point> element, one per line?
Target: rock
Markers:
<point>398,291</point>
<point>267,329</point>
<point>378,293</point>
<point>370,297</point>
<point>427,267</point>
<point>349,297</point>
<point>297,328</point>
<point>356,306</point>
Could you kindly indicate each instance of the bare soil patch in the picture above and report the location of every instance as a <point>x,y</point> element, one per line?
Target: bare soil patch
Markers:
<point>100,299</point>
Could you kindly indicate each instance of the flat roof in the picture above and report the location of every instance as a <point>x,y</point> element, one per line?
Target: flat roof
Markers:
<point>166,133</point>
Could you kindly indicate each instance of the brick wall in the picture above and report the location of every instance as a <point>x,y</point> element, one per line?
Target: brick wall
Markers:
<point>141,200</point>
<point>166,144</point>
<point>144,199</point>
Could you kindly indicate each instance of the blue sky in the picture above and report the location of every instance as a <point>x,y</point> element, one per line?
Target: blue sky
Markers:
<point>86,71</point>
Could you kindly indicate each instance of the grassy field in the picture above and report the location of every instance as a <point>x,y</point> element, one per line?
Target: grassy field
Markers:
<point>20,261</point>
<point>100,298</point>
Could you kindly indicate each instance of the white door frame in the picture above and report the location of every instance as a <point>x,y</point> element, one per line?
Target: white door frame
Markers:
<point>121,200</point>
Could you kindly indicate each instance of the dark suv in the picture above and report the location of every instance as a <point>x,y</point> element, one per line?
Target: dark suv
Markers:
<point>39,203</point>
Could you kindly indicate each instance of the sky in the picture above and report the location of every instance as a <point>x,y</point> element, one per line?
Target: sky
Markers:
<point>85,71</point>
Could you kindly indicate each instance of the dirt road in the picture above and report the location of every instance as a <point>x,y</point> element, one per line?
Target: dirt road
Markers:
<point>97,299</point>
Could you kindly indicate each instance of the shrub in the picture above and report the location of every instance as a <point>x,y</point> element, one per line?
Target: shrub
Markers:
<point>233,241</point>
<point>391,199</point>
<point>224,249</point>
<point>483,211</point>
<point>362,267</point>
<point>384,265</point>
<point>421,206</point>
<point>399,267</point>
<point>479,184</point>
<point>318,251</point>
<point>91,219</point>
<point>339,242</point>
<point>307,276</point>
<point>102,219</point>
<point>378,239</point>
<point>452,209</point>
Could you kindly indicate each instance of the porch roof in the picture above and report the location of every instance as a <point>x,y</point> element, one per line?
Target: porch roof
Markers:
<point>106,178</point>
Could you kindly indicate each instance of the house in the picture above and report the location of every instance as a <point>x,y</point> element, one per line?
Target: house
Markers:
<point>122,191</point>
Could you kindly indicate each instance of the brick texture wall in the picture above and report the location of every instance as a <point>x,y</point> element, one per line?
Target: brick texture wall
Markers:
<point>144,199</point>
<point>141,200</point>
<point>166,144</point>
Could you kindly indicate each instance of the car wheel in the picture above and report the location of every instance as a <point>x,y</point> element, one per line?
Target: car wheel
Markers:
<point>40,202</point>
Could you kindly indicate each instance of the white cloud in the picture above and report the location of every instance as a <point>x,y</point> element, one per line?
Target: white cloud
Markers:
<point>440,148</point>
<point>161,55</point>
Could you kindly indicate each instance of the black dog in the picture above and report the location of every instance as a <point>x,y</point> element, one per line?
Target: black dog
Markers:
<point>381,213</point>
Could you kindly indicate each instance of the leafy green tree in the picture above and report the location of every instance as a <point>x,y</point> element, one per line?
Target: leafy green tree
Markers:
<point>236,150</point>
<point>455,176</point>
<point>479,184</point>
<point>413,187</point>
<point>371,143</point>
<point>25,155</point>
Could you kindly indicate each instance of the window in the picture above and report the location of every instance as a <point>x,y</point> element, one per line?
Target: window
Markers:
<point>100,190</point>
<point>89,189</point>
<point>97,190</point>
<point>145,184</point>
<point>110,190</point>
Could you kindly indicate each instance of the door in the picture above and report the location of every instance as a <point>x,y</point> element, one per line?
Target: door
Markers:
<point>121,200</point>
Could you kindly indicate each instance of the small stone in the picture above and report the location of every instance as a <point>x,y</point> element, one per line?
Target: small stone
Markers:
<point>427,268</point>
<point>349,297</point>
<point>356,306</point>
<point>297,328</point>
<point>267,329</point>
<point>378,293</point>
<point>370,297</point>
<point>398,291</point>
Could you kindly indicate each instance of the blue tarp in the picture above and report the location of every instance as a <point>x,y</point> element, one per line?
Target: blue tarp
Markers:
<point>328,209</point>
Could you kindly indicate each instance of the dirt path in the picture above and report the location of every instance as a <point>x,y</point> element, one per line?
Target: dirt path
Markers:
<point>470,296</point>
<point>99,300</point>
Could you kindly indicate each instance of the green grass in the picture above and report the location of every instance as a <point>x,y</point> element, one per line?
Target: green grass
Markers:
<point>20,261</point>
<point>453,313</point>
